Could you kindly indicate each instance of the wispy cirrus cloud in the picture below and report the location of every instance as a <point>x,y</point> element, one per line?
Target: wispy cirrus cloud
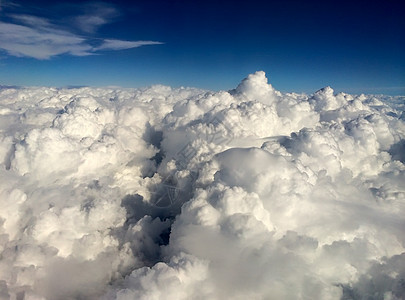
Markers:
<point>26,35</point>
<point>109,44</point>
<point>7,3</point>
<point>95,15</point>
<point>24,41</point>
<point>32,21</point>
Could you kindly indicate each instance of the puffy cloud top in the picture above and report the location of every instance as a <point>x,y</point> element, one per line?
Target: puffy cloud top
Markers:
<point>162,193</point>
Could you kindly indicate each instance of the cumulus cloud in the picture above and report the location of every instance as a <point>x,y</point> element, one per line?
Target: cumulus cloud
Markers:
<point>162,193</point>
<point>40,38</point>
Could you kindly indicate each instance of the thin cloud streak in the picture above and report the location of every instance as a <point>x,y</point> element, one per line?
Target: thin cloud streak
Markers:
<point>6,3</point>
<point>110,44</point>
<point>32,21</point>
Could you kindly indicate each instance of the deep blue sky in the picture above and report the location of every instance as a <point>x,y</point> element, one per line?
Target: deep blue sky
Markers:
<point>353,46</point>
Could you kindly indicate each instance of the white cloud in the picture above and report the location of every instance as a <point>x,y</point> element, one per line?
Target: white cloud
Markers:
<point>7,4</point>
<point>95,15</point>
<point>283,196</point>
<point>90,23</point>
<point>32,21</point>
<point>109,44</point>
<point>24,41</point>
<point>35,37</point>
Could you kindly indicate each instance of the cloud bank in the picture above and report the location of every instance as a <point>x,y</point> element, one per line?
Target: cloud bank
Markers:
<point>41,38</point>
<point>163,193</point>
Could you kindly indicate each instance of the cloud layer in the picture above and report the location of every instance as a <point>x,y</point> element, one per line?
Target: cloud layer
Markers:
<point>28,35</point>
<point>164,193</point>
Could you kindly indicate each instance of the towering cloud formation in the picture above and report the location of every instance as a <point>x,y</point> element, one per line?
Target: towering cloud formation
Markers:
<point>187,194</point>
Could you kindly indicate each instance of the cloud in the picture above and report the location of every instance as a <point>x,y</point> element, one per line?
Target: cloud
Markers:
<point>95,15</point>
<point>40,43</point>
<point>109,44</point>
<point>32,21</point>
<point>39,38</point>
<point>7,4</point>
<point>159,192</point>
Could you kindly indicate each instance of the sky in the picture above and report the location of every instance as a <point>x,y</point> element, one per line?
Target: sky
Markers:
<point>355,47</point>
